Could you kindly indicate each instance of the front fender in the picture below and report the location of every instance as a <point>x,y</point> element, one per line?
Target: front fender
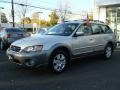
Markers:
<point>58,45</point>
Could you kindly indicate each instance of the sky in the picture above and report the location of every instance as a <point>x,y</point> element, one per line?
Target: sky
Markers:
<point>74,5</point>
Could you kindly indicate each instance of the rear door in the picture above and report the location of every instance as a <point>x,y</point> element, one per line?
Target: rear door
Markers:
<point>107,34</point>
<point>99,37</point>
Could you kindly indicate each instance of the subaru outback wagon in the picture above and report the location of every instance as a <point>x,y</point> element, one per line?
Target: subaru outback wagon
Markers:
<point>62,43</point>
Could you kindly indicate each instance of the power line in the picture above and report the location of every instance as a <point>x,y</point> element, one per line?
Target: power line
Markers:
<point>46,2</point>
<point>40,7</point>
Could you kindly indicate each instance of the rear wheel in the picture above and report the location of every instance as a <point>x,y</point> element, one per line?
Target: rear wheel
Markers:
<point>108,51</point>
<point>58,61</point>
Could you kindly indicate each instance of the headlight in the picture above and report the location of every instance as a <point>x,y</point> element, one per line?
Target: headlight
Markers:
<point>33,48</point>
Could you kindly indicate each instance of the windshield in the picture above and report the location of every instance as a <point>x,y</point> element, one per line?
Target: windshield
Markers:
<point>63,29</point>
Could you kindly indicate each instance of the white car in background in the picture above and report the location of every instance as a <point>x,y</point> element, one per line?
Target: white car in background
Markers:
<point>42,30</point>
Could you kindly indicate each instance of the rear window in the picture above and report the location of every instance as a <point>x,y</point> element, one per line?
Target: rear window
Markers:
<point>14,30</point>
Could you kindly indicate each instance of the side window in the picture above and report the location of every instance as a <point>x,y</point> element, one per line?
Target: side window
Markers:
<point>85,29</point>
<point>106,29</point>
<point>96,29</point>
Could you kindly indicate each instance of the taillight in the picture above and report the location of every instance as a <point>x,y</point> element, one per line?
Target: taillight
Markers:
<point>8,35</point>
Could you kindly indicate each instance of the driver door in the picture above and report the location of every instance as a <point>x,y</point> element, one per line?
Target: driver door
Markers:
<point>83,44</point>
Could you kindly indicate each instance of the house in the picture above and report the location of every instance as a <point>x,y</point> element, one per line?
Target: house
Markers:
<point>108,11</point>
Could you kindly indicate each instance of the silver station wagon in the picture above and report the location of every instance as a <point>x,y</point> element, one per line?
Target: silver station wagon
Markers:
<point>62,43</point>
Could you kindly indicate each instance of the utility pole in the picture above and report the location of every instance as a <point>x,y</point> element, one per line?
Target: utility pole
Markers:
<point>13,16</point>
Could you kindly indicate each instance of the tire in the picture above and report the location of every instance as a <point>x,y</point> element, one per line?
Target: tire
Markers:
<point>108,51</point>
<point>58,61</point>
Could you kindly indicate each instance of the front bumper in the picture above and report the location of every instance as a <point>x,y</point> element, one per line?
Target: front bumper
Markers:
<point>21,58</point>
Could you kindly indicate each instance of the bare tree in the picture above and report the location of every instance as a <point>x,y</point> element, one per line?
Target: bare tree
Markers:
<point>21,10</point>
<point>64,9</point>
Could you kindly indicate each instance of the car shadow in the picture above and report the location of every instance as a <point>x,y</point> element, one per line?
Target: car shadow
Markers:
<point>74,66</point>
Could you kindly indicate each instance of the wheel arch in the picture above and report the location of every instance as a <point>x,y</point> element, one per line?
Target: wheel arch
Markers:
<point>63,48</point>
<point>110,43</point>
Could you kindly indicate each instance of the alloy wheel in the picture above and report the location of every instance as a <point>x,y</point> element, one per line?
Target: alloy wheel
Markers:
<point>108,52</point>
<point>59,62</point>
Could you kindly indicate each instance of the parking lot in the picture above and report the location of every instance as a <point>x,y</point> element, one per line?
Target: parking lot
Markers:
<point>93,73</point>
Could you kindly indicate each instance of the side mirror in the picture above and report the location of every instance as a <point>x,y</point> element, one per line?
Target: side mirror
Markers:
<point>79,34</point>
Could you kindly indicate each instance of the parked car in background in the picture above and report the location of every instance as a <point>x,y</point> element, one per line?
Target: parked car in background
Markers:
<point>63,43</point>
<point>42,30</point>
<point>9,35</point>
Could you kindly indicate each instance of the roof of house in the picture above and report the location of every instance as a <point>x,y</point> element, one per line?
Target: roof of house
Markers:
<point>9,25</point>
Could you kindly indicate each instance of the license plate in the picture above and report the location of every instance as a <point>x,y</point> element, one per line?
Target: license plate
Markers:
<point>10,57</point>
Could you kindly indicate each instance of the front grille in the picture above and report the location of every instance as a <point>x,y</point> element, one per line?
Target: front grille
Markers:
<point>15,48</point>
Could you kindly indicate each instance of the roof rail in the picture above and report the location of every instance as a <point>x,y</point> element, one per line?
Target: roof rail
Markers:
<point>98,21</point>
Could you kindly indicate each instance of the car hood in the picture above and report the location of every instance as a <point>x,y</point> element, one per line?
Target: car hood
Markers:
<point>38,40</point>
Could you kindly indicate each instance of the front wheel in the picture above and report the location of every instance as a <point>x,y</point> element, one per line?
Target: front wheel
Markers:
<point>58,61</point>
<point>108,52</point>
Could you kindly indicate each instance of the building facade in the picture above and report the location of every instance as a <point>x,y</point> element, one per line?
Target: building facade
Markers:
<point>108,11</point>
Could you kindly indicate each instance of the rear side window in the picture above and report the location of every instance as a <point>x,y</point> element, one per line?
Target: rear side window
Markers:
<point>96,29</point>
<point>106,29</point>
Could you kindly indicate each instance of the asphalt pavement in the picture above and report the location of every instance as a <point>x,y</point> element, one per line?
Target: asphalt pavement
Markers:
<point>92,73</point>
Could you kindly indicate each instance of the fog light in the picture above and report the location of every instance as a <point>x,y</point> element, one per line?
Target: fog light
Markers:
<point>30,63</point>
